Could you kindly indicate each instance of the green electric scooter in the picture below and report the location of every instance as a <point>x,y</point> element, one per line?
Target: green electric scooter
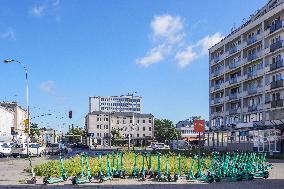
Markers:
<point>119,172</point>
<point>142,172</point>
<point>101,176</point>
<point>163,177</point>
<point>50,180</point>
<point>134,170</point>
<point>82,178</point>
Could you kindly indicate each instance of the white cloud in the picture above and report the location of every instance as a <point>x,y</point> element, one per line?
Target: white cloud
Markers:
<point>208,41</point>
<point>168,28</point>
<point>186,56</point>
<point>198,50</point>
<point>47,87</point>
<point>8,34</point>
<point>38,10</point>
<point>153,56</point>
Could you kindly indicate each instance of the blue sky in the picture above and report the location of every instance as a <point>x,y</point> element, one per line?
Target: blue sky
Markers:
<point>76,49</point>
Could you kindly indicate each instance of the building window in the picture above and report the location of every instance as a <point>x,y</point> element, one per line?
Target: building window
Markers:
<point>137,135</point>
<point>98,126</point>
<point>143,128</point>
<point>150,120</point>
<point>143,135</point>
<point>98,134</point>
<point>106,126</point>
<point>150,128</point>
<point>131,121</point>
<point>144,121</point>
<point>117,121</point>
<point>98,119</point>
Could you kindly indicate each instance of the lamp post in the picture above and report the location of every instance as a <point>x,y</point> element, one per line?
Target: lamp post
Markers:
<point>27,101</point>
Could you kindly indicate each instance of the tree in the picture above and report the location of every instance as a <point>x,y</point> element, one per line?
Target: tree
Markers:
<point>78,132</point>
<point>164,129</point>
<point>114,134</point>
<point>34,132</point>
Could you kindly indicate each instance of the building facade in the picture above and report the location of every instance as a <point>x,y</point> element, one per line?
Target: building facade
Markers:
<point>186,130</point>
<point>101,124</point>
<point>19,115</point>
<point>246,81</point>
<point>123,103</point>
<point>6,123</point>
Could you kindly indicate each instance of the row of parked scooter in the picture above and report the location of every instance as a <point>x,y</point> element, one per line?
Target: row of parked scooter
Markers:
<point>234,166</point>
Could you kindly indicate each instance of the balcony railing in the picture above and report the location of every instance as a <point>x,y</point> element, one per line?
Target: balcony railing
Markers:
<point>251,74</point>
<point>217,100</point>
<point>251,57</point>
<point>233,96</point>
<point>233,80</point>
<point>252,108</point>
<point>251,40</point>
<point>276,45</point>
<point>252,91</point>
<point>233,111</point>
<point>216,59</point>
<point>276,26</point>
<point>217,86</point>
<point>234,64</point>
<point>277,103</point>
<point>233,50</point>
<point>276,84</point>
<point>276,65</point>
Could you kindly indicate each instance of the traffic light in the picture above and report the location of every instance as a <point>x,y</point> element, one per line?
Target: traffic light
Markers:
<point>70,114</point>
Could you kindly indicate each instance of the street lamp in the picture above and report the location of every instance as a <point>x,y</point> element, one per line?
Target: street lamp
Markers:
<point>27,101</point>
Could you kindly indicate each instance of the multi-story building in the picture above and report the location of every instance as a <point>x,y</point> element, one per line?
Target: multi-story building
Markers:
<point>101,124</point>
<point>123,103</point>
<point>186,130</point>
<point>19,115</point>
<point>6,124</point>
<point>246,79</point>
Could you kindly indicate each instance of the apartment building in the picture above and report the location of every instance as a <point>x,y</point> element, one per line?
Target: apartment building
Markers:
<point>246,82</point>
<point>123,103</point>
<point>18,116</point>
<point>6,123</point>
<point>100,126</point>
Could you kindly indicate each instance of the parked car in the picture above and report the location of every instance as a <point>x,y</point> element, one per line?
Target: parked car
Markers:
<point>56,148</point>
<point>157,146</point>
<point>35,149</point>
<point>5,149</point>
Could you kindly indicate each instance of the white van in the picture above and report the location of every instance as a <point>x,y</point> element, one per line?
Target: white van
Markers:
<point>35,149</point>
<point>5,149</point>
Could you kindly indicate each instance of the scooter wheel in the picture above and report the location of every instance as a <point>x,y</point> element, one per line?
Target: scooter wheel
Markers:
<point>187,177</point>
<point>266,175</point>
<point>45,180</point>
<point>123,174</point>
<point>175,177</point>
<point>250,177</point>
<point>239,177</point>
<point>74,180</point>
<point>217,179</point>
<point>33,180</point>
<point>210,179</point>
<point>169,178</point>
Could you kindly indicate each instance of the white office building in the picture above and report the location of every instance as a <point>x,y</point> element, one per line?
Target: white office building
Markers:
<point>123,103</point>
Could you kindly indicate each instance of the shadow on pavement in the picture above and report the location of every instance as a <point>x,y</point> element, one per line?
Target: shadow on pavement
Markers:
<point>256,184</point>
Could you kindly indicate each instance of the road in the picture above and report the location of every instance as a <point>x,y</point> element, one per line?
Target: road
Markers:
<point>12,176</point>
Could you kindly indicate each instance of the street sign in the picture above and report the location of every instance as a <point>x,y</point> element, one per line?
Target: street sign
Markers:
<point>199,125</point>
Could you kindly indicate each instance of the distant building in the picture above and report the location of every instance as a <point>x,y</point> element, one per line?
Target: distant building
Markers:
<point>6,124</point>
<point>186,130</point>
<point>48,136</point>
<point>19,115</point>
<point>100,124</point>
<point>123,103</point>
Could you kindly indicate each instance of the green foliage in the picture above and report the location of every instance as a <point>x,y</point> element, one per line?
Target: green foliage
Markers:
<point>34,131</point>
<point>72,165</point>
<point>76,131</point>
<point>165,130</point>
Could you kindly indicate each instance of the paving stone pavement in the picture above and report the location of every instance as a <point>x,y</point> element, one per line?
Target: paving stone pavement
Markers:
<point>11,175</point>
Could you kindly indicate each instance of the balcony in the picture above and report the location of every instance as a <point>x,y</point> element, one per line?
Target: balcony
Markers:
<point>217,72</point>
<point>252,108</point>
<point>276,65</point>
<point>234,111</point>
<point>217,86</point>
<point>276,84</point>
<point>233,96</point>
<point>217,114</point>
<point>251,57</point>
<point>233,80</point>
<point>252,91</point>
<point>276,26</point>
<point>277,103</point>
<point>234,64</point>
<point>276,45</point>
<point>251,40</point>
<point>233,50</point>
<point>216,59</point>
<point>218,100</point>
